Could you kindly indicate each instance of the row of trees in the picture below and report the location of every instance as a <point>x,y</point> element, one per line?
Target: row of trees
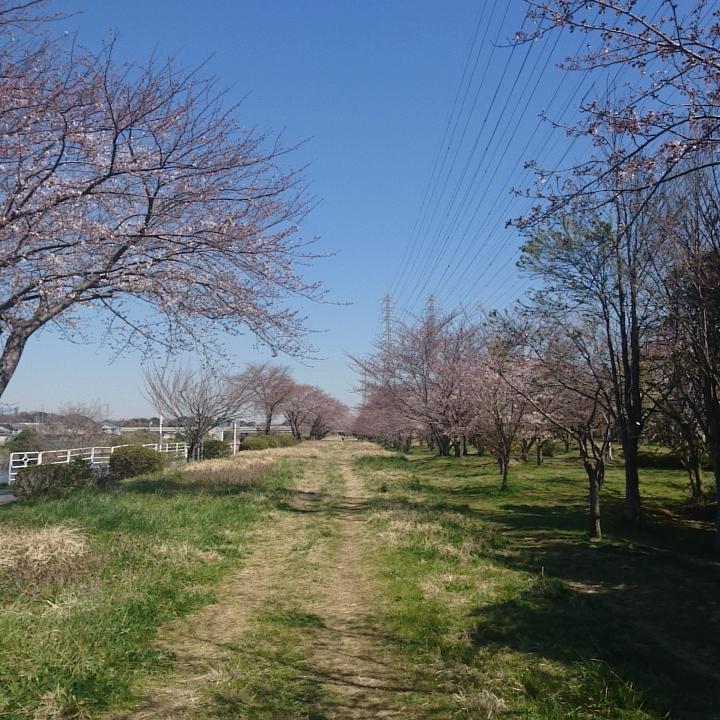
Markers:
<point>204,398</point>
<point>620,341</point>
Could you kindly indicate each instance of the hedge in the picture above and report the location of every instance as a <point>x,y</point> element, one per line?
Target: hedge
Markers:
<point>38,481</point>
<point>213,448</point>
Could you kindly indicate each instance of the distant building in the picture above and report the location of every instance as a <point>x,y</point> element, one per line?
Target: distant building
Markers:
<point>7,432</point>
<point>110,428</point>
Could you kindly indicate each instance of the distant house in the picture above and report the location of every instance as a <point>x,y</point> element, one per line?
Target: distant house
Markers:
<point>7,432</point>
<point>110,428</point>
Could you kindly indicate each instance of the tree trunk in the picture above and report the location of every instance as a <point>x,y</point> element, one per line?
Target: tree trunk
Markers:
<point>633,509</point>
<point>539,452</point>
<point>443,443</point>
<point>192,450</point>
<point>464,445</point>
<point>503,462</point>
<point>524,450</point>
<point>268,422</point>
<point>457,449</point>
<point>715,458</point>
<point>594,495</point>
<point>694,472</point>
<point>14,346</point>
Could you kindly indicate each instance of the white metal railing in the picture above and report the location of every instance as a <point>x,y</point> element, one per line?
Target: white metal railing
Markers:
<point>96,456</point>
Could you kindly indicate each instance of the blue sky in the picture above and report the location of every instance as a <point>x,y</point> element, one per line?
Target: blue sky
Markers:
<point>370,85</point>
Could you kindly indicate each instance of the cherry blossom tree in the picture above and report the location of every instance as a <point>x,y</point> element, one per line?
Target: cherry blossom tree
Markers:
<point>662,114</point>
<point>297,406</point>
<point>500,411</point>
<point>690,330</point>
<point>270,386</point>
<point>564,380</point>
<point>379,418</point>
<point>310,410</point>
<point>135,192</point>
<point>423,374</point>
<point>327,414</point>
<point>603,267</point>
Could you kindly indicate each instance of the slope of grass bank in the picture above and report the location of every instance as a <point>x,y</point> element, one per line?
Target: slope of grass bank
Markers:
<point>85,581</point>
<point>522,616</point>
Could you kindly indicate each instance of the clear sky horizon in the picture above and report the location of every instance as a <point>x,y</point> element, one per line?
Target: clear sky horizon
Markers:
<point>385,96</point>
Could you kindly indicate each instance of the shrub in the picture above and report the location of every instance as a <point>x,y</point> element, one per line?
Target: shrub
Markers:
<point>260,442</point>
<point>659,460</point>
<point>284,440</point>
<point>213,449</point>
<point>263,442</point>
<point>549,448</point>
<point>53,480</point>
<point>135,460</point>
<point>27,439</point>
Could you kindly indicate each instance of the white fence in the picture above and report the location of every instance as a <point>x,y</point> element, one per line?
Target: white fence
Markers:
<point>96,456</point>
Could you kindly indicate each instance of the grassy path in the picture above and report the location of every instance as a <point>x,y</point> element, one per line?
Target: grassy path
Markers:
<point>292,633</point>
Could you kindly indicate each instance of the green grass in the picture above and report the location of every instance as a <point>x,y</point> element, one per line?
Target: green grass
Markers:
<point>520,615</point>
<point>266,680</point>
<point>384,462</point>
<point>75,641</point>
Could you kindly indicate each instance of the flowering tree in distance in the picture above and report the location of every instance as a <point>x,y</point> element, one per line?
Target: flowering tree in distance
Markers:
<point>271,386</point>
<point>500,410</point>
<point>308,409</point>
<point>135,192</point>
<point>380,418</point>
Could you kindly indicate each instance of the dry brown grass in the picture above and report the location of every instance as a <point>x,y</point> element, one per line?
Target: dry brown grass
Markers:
<point>482,704</point>
<point>246,467</point>
<point>58,705</point>
<point>413,529</point>
<point>30,558</point>
<point>217,473</point>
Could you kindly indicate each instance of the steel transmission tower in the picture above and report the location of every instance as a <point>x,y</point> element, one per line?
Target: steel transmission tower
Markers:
<point>387,318</point>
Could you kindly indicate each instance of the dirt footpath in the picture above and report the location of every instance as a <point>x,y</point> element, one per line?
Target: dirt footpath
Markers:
<point>314,560</point>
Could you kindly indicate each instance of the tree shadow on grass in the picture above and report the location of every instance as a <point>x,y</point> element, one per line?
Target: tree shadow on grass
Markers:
<point>643,603</point>
<point>633,663</point>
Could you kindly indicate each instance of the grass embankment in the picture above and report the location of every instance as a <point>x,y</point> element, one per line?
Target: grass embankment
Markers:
<point>85,581</point>
<point>522,616</point>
